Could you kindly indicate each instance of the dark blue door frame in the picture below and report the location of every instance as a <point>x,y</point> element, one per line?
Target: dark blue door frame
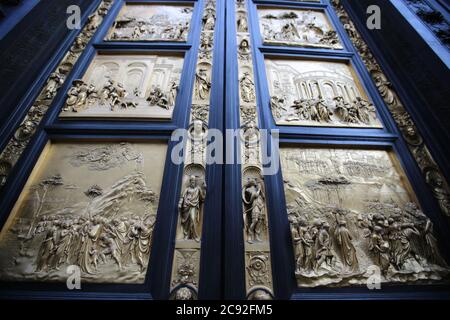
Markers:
<point>222,266</point>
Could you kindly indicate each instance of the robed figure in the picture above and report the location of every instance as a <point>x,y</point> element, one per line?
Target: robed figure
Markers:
<point>190,208</point>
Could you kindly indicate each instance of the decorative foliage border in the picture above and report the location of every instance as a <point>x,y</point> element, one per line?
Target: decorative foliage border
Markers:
<point>428,166</point>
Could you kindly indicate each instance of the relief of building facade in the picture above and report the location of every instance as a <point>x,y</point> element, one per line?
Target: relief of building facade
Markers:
<point>150,22</point>
<point>93,205</point>
<point>350,211</point>
<point>131,86</point>
<point>297,27</point>
<point>318,93</point>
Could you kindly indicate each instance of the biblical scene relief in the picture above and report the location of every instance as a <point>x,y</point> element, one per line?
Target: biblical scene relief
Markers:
<point>352,214</point>
<point>92,205</point>
<point>148,22</point>
<point>318,93</point>
<point>126,86</point>
<point>295,27</point>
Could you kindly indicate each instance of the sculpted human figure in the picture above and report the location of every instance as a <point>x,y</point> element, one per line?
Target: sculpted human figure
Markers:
<point>242,23</point>
<point>110,248</point>
<point>430,241</point>
<point>209,19</point>
<point>302,109</point>
<point>380,247</point>
<point>46,251</point>
<point>247,88</point>
<point>173,92</point>
<point>302,242</point>
<point>244,50</point>
<point>138,32</point>
<point>289,32</point>
<point>323,111</point>
<point>139,236</point>
<point>206,42</point>
<point>402,250</point>
<point>363,110</point>
<point>190,208</point>
<point>62,249</point>
<point>88,255</point>
<point>323,246</point>
<point>55,81</point>
<point>72,95</point>
<point>277,106</point>
<point>202,84</point>
<point>342,109</point>
<point>344,241</point>
<point>313,111</point>
<point>158,98</point>
<point>253,197</point>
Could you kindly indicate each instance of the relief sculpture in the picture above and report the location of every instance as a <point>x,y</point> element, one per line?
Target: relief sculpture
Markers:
<point>305,28</point>
<point>126,86</point>
<point>147,22</point>
<point>254,209</point>
<point>318,93</point>
<point>89,205</point>
<point>350,211</point>
<point>190,206</point>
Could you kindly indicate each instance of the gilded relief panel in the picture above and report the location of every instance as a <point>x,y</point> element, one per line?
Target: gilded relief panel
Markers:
<point>297,27</point>
<point>92,205</point>
<point>353,213</point>
<point>151,22</point>
<point>126,86</point>
<point>318,93</point>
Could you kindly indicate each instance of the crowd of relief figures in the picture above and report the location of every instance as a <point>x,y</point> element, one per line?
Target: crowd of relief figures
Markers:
<point>147,22</point>
<point>89,205</point>
<point>132,86</point>
<point>298,28</point>
<point>350,211</point>
<point>318,93</point>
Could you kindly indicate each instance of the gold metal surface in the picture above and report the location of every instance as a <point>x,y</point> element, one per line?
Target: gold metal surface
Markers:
<point>126,86</point>
<point>353,213</point>
<point>151,22</point>
<point>318,93</point>
<point>92,205</point>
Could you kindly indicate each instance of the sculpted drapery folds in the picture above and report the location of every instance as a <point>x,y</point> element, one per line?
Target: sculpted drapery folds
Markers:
<point>191,207</point>
<point>254,203</point>
<point>349,210</point>
<point>202,84</point>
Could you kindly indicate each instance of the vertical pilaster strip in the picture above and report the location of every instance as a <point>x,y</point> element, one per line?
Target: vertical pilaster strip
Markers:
<point>258,269</point>
<point>186,261</point>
